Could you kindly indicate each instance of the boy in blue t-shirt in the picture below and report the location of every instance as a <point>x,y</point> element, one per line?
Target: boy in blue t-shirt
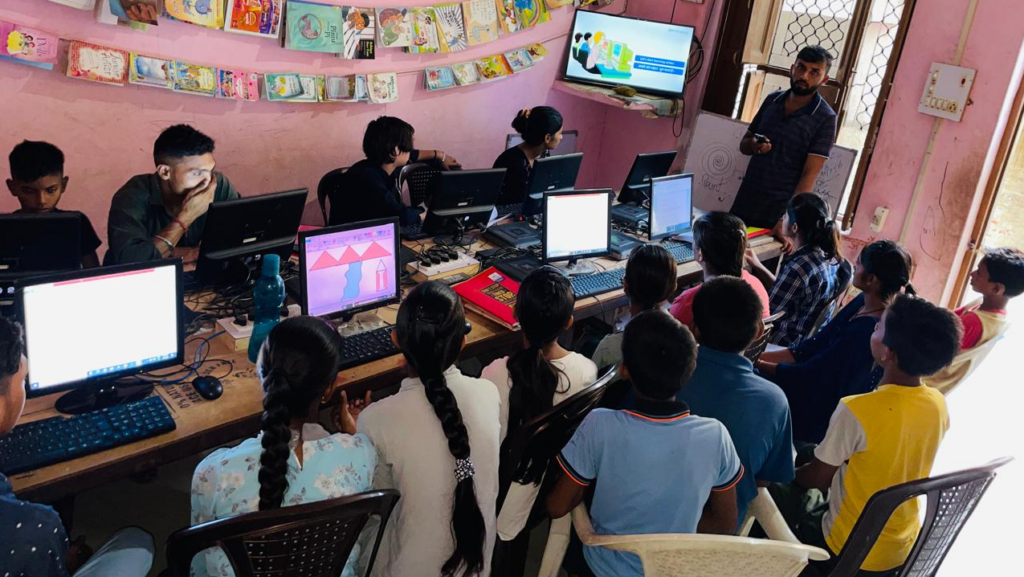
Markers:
<point>654,469</point>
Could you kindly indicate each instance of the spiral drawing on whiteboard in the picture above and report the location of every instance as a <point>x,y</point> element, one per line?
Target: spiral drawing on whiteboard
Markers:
<point>717,161</point>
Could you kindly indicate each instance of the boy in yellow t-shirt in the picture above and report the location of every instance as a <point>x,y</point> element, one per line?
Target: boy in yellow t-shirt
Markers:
<point>879,439</point>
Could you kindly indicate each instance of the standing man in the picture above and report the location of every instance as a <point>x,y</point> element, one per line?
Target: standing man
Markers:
<point>789,140</point>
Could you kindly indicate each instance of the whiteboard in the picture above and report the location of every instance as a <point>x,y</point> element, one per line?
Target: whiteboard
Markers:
<point>718,166</point>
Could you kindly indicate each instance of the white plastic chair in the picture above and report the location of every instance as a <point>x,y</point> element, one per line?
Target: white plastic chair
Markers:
<point>763,510</point>
<point>966,362</point>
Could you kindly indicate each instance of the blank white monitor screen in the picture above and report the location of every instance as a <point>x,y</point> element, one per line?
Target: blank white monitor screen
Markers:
<point>576,225</point>
<point>86,328</point>
<point>671,205</point>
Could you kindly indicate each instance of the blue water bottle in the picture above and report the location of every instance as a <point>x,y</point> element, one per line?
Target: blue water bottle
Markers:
<point>267,296</point>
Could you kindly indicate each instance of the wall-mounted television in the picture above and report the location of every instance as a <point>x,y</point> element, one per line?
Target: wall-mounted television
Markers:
<point>618,51</point>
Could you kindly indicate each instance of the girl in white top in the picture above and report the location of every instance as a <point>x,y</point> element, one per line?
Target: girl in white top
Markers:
<point>535,379</point>
<point>437,443</point>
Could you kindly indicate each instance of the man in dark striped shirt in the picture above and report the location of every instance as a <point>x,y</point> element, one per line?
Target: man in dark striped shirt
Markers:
<point>789,139</point>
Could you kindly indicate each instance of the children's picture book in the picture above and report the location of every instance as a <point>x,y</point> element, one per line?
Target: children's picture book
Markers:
<point>97,63</point>
<point>255,17</point>
<point>195,79</point>
<point>208,13</point>
<point>531,13</point>
<point>493,67</point>
<point>382,88</point>
<point>29,46</point>
<point>424,31</point>
<point>142,11</point>
<point>282,86</point>
<point>238,85</point>
<point>395,26</point>
<point>518,59</point>
<point>552,4</point>
<point>339,89</point>
<point>439,78</point>
<point>79,4</point>
<point>481,20</point>
<point>360,33</point>
<point>537,51</point>
<point>314,27</point>
<point>150,71</point>
<point>362,93</point>
<point>451,30</point>
<point>507,16</point>
<point>466,73</point>
<point>491,294</point>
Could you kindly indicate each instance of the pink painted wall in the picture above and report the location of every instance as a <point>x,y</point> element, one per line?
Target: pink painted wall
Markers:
<point>963,153</point>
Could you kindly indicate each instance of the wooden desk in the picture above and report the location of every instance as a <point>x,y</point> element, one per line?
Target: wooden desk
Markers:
<point>203,425</point>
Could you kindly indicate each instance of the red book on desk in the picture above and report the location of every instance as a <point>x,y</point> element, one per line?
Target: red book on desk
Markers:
<point>491,294</point>
<point>754,232</point>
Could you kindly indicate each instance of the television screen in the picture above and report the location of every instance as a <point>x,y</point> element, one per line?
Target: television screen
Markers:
<point>614,50</point>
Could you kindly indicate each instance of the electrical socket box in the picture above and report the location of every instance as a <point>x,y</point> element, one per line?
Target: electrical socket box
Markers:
<point>947,91</point>
<point>878,220</point>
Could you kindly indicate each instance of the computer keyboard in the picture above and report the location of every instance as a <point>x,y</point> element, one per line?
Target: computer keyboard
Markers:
<point>681,251</point>
<point>413,232</point>
<point>597,283</point>
<point>40,443</point>
<point>509,209</point>
<point>362,348</point>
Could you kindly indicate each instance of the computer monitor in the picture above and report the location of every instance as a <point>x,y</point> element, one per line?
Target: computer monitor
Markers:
<point>85,329</point>
<point>238,232</point>
<point>645,167</point>
<point>671,206</point>
<point>577,224</point>
<point>350,268</point>
<point>554,173</point>
<point>567,146</point>
<point>33,244</point>
<point>462,200</point>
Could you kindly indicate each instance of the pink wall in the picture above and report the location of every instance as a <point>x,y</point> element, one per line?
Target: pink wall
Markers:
<point>963,152</point>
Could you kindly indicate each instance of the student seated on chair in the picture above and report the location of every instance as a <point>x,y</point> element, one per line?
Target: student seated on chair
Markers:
<point>437,443</point>
<point>998,278</point>
<point>878,439</point>
<point>728,314</point>
<point>810,277</point>
<point>541,129</point>
<point>836,362</point>
<point>38,182</point>
<point>293,460</point>
<point>535,379</point>
<point>719,245</point>
<point>655,469</point>
<point>369,189</point>
<point>153,214</point>
<point>650,280</point>
<point>33,537</point>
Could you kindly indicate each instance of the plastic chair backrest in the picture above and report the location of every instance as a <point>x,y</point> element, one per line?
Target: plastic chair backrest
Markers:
<point>311,540</point>
<point>330,182</point>
<point>757,347</point>
<point>419,177</point>
<point>967,362</point>
<point>951,500</point>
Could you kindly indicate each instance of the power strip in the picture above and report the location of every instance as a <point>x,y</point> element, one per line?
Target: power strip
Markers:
<point>463,264</point>
<point>241,333</point>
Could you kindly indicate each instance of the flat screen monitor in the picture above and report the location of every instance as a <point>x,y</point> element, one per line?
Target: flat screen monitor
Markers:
<point>463,199</point>
<point>97,325</point>
<point>567,146</point>
<point>549,174</point>
<point>349,268</point>
<point>645,167</point>
<point>34,244</point>
<point>619,51</point>
<point>238,232</point>
<point>577,225</point>
<point>671,206</point>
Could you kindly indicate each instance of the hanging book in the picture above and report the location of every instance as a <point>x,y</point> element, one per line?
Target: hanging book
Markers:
<point>79,4</point>
<point>382,88</point>
<point>360,33</point>
<point>314,27</point>
<point>508,17</point>
<point>466,73</point>
<point>97,63</point>
<point>362,93</point>
<point>282,86</point>
<point>552,4</point>
<point>451,30</point>
<point>208,13</point>
<point>438,78</point>
<point>493,67</point>
<point>537,51</point>
<point>481,21</point>
<point>238,85</point>
<point>339,89</point>
<point>424,31</point>
<point>149,71</point>
<point>255,17</point>
<point>518,59</point>
<point>195,79</point>
<point>142,11</point>
<point>531,13</point>
<point>395,25</point>
<point>29,46</point>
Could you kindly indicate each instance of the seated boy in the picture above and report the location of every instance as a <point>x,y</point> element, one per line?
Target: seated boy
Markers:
<point>38,182</point>
<point>879,439</point>
<point>728,313</point>
<point>34,541</point>
<point>655,469</point>
<point>155,213</point>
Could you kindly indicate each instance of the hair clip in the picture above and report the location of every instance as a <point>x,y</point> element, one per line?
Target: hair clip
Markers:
<point>464,470</point>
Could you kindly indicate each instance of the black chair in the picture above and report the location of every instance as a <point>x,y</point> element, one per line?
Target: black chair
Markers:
<point>951,500</point>
<point>311,540</point>
<point>757,347</point>
<point>331,182</point>
<point>419,177</point>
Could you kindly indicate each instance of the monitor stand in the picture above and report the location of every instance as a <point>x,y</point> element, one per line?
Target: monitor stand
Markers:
<point>102,395</point>
<point>575,268</point>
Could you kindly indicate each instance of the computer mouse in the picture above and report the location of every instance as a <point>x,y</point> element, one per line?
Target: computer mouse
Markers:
<point>208,388</point>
